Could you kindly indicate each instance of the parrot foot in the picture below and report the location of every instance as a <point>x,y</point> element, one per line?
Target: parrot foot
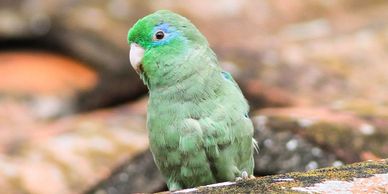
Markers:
<point>245,176</point>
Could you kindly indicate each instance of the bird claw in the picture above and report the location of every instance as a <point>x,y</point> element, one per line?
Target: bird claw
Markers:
<point>244,176</point>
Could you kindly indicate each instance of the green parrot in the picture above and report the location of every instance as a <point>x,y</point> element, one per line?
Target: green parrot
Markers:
<point>198,123</point>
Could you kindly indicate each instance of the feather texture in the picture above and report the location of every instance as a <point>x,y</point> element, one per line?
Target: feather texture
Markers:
<point>197,116</point>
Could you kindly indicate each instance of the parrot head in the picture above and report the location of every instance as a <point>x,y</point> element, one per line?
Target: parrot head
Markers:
<point>160,42</point>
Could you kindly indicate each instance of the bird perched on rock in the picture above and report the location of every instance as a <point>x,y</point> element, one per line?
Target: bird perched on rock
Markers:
<point>198,123</point>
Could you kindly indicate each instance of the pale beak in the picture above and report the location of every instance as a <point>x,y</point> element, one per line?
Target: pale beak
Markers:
<point>136,54</point>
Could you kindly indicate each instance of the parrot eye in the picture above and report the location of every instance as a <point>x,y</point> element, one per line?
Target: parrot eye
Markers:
<point>159,35</point>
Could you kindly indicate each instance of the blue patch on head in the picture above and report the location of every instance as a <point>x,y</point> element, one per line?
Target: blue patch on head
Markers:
<point>169,33</point>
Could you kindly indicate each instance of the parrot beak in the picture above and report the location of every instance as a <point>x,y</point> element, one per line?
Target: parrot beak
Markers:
<point>136,54</point>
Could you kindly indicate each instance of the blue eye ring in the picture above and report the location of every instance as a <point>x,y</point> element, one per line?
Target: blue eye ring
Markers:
<point>159,35</point>
<point>169,33</point>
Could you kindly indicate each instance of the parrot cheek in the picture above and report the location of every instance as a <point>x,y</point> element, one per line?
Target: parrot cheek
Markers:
<point>136,54</point>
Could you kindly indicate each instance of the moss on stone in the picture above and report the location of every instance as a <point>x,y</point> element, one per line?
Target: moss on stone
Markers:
<point>285,182</point>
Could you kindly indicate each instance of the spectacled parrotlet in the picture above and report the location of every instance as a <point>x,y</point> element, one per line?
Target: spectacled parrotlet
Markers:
<point>199,129</point>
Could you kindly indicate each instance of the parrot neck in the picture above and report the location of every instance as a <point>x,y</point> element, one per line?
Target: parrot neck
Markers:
<point>172,70</point>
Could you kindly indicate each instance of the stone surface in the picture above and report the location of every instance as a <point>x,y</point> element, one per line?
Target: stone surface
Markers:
<point>73,153</point>
<point>282,150</point>
<point>137,175</point>
<point>24,73</point>
<point>350,137</point>
<point>364,177</point>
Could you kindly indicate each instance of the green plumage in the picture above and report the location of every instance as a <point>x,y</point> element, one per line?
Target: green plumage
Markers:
<point>199,130</point>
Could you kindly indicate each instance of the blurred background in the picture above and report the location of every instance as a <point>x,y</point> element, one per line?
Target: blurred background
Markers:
<point>72,110</point>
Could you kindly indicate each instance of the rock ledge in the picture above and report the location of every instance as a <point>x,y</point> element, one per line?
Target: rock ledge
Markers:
<point>363,177</point>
